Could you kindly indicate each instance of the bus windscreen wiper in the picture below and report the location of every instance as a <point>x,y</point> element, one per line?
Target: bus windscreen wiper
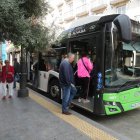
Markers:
<point>125,84</point>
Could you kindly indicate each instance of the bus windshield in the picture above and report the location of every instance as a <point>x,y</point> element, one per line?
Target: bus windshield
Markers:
<point>122,62</point>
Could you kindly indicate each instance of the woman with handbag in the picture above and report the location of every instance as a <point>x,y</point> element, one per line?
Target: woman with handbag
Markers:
<point>7,79</point>
<point>84,68</point>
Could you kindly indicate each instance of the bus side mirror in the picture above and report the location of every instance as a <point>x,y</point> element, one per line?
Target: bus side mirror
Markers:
<point>123,24</point>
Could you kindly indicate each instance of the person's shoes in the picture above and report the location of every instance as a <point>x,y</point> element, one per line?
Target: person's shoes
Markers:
<point>4,98</point>
<point>71,106</point>
<point>79,100</point>
<point>66,113</point>
<point>10,97</point>
<point>86,101</point>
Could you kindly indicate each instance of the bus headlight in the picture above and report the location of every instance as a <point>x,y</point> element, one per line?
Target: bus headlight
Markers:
<point>110,103</point>
<point>112,109</point>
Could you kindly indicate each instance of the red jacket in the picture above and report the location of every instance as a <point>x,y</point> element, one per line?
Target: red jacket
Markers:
<point>5,74</point>
<point>0,76</point>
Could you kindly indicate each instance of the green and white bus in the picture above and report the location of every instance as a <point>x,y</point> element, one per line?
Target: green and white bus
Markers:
<point>113,44</point>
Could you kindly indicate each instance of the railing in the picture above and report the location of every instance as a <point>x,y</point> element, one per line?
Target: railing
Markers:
<point>96,3</point>
<point>58,2</point>
<point>68,14</point>
<point>81,9</point>
<point>115,2</point>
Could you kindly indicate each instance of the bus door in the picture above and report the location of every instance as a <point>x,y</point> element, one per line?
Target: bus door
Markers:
<point>88,45</point>
<point>42,73</point>
<point>43,80</point>
<point>51,62</point>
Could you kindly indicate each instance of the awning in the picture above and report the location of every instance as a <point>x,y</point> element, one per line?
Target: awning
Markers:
<point>11,48</point>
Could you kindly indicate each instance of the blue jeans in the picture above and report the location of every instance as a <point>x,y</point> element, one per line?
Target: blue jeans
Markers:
<point>16,79</point>
<point>68,94</point>
<point>14,84</point>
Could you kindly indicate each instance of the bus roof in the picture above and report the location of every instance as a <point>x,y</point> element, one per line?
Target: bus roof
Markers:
<point>85,21</point>
<point>86,24</point>
<point>94,18</point>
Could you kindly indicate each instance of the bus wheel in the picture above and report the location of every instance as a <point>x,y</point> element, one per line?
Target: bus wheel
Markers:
<point>54,89</point>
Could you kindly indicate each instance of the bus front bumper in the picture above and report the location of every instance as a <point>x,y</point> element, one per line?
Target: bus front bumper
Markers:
<point>123,101</point>
<point>115,109</point>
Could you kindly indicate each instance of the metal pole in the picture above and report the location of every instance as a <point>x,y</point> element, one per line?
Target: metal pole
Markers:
<point>23,91</point>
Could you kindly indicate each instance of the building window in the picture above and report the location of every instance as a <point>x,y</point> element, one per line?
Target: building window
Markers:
<point>69,11</point>
<point>60,12</point>
<point>70,6</point>
<point>83,1</point>
<point>137,17</point>
<point>80,2</point>
<point>121,9</point>
<point>52,14</point>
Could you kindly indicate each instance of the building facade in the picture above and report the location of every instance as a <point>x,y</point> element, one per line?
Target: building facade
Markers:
<point>64,12</point>
<point>3,54</point>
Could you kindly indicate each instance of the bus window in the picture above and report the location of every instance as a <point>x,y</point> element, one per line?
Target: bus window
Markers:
<point>87,45</point>
<point>50,63</point>
<point>121,63</point>
<point>60,56</point>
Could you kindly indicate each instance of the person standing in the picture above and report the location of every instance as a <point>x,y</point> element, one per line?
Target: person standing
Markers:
<point>84,67</point>
<point>1,76</point>
<point>17,71</point>
<point>7,79</point>
<point>66,79</point>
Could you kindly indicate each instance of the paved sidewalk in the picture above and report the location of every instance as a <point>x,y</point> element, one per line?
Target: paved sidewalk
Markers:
<point>25,119</point>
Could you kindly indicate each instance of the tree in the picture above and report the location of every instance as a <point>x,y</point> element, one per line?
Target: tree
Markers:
<point>36,8</point>
<point>20,22</point>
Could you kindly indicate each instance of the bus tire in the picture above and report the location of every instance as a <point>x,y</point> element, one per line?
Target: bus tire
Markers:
<point>54,89</point>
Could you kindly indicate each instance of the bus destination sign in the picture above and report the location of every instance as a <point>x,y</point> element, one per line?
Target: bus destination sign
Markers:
<point>82,29</point>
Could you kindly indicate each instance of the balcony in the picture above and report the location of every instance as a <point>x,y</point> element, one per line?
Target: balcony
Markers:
<point>59,3</point>
<point>67,0</point>
<point>69,15</point>
<point>118,2</point>
<point>82,10</point>
<point>98,6</point>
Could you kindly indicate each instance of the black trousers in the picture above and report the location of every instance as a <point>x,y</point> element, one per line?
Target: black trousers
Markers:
<point>84,82</point>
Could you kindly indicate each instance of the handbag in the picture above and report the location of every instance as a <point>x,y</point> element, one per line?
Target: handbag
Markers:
<point>89,78</point>
<point>9,79</point>
<point>17,77</point>
<point>85,65</point>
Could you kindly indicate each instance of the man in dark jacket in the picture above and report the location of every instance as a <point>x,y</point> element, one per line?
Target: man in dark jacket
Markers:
<point>66,79</point>
<point>17,71</point>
